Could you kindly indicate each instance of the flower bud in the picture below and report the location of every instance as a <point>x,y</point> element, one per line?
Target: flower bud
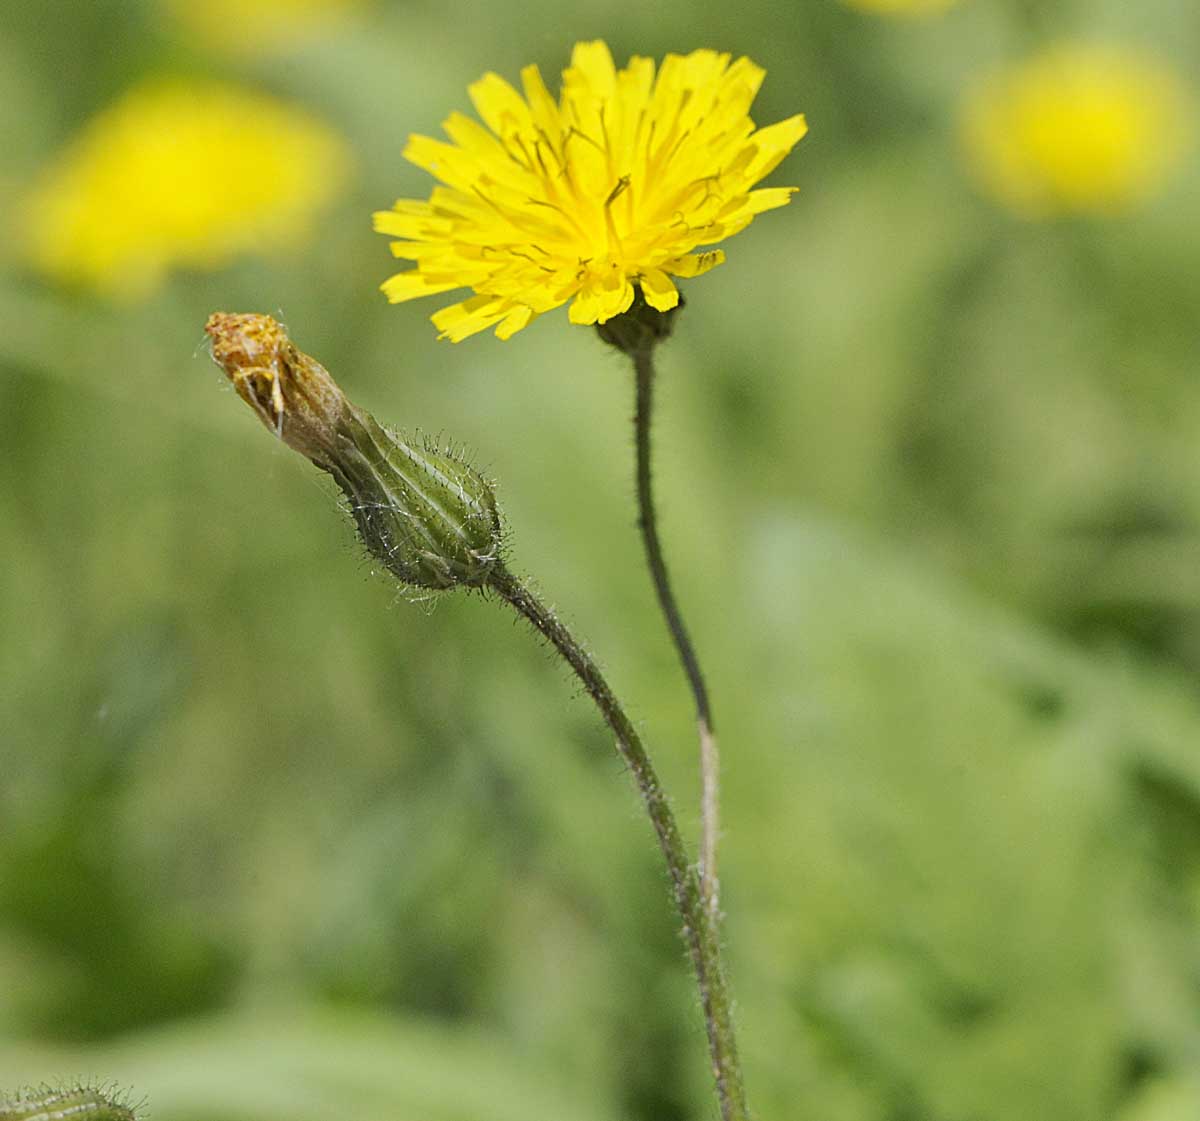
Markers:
<point>74,1103</point>
<point>421,511</point>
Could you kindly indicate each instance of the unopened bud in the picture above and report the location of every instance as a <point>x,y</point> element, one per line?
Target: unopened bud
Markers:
<point>430,518</point>
<point>78,1103</point>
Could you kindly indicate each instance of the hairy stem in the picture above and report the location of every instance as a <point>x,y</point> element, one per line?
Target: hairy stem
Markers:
<point>699,930</point>
<point>643,360</point>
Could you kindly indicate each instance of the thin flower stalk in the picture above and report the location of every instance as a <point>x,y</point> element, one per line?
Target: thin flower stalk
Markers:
<point>700,931</point>
<point>433,522</point>
<point>637,334</point>
<point>710,763</point>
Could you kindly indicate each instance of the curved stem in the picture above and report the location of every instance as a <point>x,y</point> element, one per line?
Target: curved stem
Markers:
<point>643,361</point>
<point>699,931</point>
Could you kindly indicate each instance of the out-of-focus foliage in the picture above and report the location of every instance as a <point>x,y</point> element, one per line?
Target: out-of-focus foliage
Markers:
<point>914,8</point>
<point>263,27</point>
<point>276,844</point>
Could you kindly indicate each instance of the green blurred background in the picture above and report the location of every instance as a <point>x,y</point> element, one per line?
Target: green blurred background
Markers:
<point>277,844</point>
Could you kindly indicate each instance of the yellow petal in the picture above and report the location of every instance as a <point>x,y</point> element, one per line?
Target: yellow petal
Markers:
<point>516,320</point>
<point>585,308</point>
<point>502,108</point>
<point>695,264</point>
<point>703,69</point>
<point>420,250</point>
<point>542,106</point>
<point>615,298</point>
<point>768,198</point>
<point>772,144</point>
<point>737,212</point>
<point>742,81</point>
<point>658,289</point>
<point>472,137</point>
<point>451,165</point>
<point>460,321</point>
<point>413,284</point>
<point>550,292</point>
<point>415,221</point>
<point>593,63</point>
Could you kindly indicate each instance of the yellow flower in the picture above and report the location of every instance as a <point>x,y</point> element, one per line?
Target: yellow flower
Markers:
<point>611,186</point>
<point>1078,129</point>
<point>179,175</point>
<point>259,26</point>
<point>900,7</point>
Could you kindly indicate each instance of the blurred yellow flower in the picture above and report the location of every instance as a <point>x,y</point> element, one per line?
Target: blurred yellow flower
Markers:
<point>183,175</point>
<point>901,7</point>
<point>611,186</point>
<point>1078,129</point>
<point>259,26</point>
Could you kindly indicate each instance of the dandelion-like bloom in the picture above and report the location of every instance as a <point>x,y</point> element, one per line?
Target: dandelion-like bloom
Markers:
<point>262,27</point>
<point>614,184</point>
<point>901,7</point>
<point>179,175</point>
<point>1078,129</point>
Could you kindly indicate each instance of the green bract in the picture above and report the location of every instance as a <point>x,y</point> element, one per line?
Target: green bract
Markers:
<point>430,518</point>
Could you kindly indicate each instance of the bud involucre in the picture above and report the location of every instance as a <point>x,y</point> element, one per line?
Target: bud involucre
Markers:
<point>430,518</point>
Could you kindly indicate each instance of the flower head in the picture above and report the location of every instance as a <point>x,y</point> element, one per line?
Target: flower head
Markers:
<point>178,174</point>
<point>900,7</point>
<point>263,27</point>
<point>614,184</point>
<point>1077,129</point>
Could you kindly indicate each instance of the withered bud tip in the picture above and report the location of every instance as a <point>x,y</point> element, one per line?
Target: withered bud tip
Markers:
<point>292,393</point>
<point>243,341</point>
